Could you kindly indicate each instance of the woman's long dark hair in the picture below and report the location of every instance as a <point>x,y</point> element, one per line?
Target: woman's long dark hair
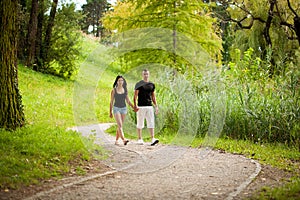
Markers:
<point>124,83</point>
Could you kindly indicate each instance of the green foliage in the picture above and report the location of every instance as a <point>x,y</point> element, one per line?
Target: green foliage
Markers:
<point>260,108</point>
<point>93,11</point>
<point>177,18</point>
<point>92,88</point>
<point>255,26</point>
<point>66,51</point>
<point>184,108</point>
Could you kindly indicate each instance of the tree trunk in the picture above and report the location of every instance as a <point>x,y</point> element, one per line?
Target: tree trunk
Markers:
<point>39,35</point>
<point>23,26</point>
<point>296,21</point>
<point>11,109</point>
<point>266,31</point>
<point>174,35</point>
<point>32,30</point>
<point>47,43</point>
<point>267,36</point>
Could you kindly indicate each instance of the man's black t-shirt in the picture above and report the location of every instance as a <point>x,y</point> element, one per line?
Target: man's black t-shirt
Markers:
<point>145,90</point>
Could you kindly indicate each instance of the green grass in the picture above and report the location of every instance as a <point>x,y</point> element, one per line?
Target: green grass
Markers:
<point>51,100</point>
<point>289,191</point>
<point>38,152</point>
<point>46,99</point>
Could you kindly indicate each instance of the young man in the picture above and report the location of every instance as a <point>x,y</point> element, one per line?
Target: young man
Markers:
<point>144,99</point>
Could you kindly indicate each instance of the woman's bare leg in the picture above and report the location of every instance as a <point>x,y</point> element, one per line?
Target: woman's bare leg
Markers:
<point>120,119</point>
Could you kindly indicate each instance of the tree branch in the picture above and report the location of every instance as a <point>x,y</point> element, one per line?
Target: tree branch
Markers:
<point>290,7</point>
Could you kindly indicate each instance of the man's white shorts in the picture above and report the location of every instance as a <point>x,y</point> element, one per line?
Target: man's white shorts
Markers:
<point>145,112</point>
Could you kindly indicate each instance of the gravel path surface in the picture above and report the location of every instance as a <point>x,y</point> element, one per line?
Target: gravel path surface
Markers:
<point>156,172</point>
<point>159,172</point>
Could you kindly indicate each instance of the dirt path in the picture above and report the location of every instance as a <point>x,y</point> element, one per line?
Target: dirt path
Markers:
<point>161,172</point>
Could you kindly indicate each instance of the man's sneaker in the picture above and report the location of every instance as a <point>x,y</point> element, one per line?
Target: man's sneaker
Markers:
<point>154,141</point>
<point>140,141</point>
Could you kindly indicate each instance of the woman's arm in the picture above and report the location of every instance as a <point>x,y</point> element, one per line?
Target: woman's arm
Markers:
<point>136,92</point>
<point>112,97</point>
<point>129,102</point>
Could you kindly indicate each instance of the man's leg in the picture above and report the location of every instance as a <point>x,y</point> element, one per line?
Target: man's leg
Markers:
<point>151,130</point>
<point>140,124</point>
<point>139,132</point>
<point>151,124</point>
<point>154,141</point>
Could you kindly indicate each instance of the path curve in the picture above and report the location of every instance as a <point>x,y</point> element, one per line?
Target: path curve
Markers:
<point>158,172</point>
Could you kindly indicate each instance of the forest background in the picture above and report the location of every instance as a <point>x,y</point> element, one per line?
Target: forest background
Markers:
<point>252,45</point>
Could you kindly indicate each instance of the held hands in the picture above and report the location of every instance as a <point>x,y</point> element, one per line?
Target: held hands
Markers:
<point>135,108</point>
<point>156,110</point>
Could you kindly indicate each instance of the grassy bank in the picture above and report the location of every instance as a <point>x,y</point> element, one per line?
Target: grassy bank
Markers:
<point>44,148</point>
<point>39,152</point>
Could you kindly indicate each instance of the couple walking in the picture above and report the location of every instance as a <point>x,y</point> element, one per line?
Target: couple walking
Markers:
<point>143,99</point>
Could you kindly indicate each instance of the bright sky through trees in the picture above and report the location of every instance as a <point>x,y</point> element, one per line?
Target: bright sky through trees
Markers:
<point>79,3</point>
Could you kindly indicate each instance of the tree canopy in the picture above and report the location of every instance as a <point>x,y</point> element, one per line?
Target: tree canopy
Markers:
<point>93,12</point>
<point>270,28</point>
<point>191,18</point>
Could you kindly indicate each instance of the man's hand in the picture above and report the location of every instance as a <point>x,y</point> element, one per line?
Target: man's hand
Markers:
<point>156,110</point>
<point>135,109</point>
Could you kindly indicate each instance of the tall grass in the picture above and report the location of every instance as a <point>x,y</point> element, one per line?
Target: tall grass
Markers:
<point>260,108</point>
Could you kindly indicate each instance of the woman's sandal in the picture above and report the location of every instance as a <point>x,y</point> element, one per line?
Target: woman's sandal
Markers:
<point>125,142</point>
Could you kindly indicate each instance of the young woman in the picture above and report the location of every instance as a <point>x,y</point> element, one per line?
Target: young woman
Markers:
<point>119,97</point>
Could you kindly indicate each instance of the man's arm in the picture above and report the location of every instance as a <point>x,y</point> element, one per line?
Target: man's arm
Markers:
<point>154,102</point>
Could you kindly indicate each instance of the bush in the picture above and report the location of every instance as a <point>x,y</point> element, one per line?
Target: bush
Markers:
<point>66,51</point>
